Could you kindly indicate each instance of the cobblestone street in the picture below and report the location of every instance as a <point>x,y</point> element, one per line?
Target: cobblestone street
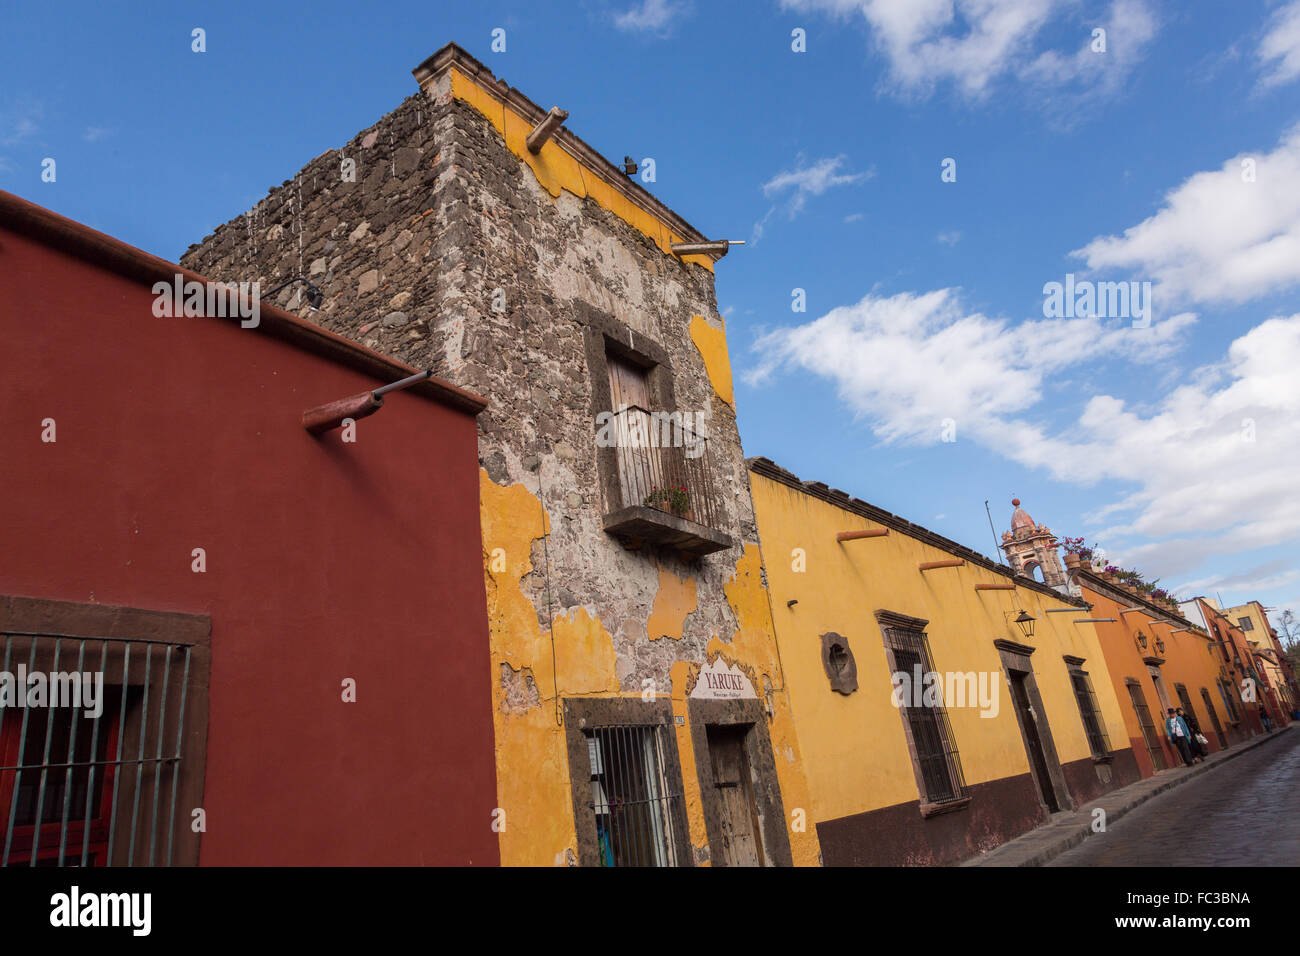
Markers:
<point>1246,813</point>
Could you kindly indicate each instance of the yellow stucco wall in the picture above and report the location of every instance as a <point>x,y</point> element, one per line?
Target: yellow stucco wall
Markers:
<point>712,345</point>
<point>854,747</point>
<point>533,783</point>
<point>557,170</point>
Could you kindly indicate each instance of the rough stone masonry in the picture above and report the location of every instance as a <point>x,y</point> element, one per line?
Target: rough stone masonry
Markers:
<point>442,223</point>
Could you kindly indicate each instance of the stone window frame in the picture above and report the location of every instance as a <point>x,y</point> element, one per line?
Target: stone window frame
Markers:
<point>1074,668</point>
<point>581,714</point>
<point>886,619</point>
<point>602,336</point>
<point>77,621</point>
<point>1016,657</point>
<point>762,762</point>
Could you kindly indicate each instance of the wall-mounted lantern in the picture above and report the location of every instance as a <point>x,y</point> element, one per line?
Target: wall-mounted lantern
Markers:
<point>1160,645</point>
<point>1026,624</point>
<point>1141,640</point>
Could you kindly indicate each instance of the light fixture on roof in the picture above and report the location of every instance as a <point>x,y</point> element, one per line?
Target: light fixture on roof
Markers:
<point>314,295</point>
<point>628,166</point>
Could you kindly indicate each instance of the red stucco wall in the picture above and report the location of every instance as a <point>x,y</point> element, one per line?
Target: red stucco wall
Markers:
<point>324,560</point>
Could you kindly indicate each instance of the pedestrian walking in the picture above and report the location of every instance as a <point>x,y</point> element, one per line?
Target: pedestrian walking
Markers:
<point>1268,721</point>
<point>1196,739</point>
<point>1176,728</point>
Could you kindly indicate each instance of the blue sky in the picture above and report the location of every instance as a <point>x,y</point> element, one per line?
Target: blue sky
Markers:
<point>1176,446</point>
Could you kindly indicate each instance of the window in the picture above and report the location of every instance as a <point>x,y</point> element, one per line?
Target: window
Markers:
<point>630,797</point>
<point>1245,623</point>
<point>1154,748</point>
<point>1228,702</point>
<point>930,738</point>
<point>1214,718</point>
<point>1090,711</point>
<point>105,770</point>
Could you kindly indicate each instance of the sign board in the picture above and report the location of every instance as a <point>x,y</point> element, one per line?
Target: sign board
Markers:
<point>719,680</point>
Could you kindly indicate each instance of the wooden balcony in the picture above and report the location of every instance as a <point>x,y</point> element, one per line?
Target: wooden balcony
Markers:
<point>659,484</point>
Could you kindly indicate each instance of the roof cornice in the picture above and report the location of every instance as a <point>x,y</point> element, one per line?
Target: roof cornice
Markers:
<point>816,489</point>
<point>453,55</point>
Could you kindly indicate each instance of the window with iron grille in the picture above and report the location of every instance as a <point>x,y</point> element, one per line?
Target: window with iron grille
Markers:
<point>1214,717</point>
<point>1246,624</point>
<point>933,746</point>
<point>636,809</point>
<point>108,782</point>
<point>1155,749</point>
<point>1090,711</point>
<point>1226,694</point>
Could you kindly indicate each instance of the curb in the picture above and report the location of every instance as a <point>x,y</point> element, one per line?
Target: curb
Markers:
<point>1078,826</point>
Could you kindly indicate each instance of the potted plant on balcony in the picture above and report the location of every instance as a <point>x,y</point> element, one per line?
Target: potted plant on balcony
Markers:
<point>1076,552</point>
<point>673,499</point>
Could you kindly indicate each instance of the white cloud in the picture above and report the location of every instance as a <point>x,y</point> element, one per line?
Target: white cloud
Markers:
<point>906,362</point>
<point>94,134</point>
<point>950,238</point>
<point>650,16</point>
<point>1281,44</point>
<point>1129,28</point>
<point>974,43</point>
<point>804,181</point>
<point>1210,467</point>
<point>1218,238</point>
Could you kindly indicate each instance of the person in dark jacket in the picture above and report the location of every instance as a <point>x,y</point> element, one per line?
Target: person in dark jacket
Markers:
<point>1179,736</point>
<point>1199,750</point>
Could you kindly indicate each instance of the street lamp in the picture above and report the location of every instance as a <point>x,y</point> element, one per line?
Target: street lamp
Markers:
<point>1026,623</point>
<point>314,295</point>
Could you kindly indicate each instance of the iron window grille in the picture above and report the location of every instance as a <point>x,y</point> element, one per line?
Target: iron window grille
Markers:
<point>1214,718</point>
<point>1246,624</point>
<point>79,789</point>
<point>1154,748</point>
<point>634,805</point>
<point>932,738</point>
<point>1090,711</point>
<point>1226,694</point>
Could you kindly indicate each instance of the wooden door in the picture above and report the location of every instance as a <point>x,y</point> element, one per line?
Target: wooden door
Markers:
<point>1033,741</point>
<point>629,389</point>
<point>741,843</point>
<point>1154,747</point>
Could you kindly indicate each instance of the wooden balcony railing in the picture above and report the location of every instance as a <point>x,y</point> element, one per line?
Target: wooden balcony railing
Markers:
<point>661,482</point>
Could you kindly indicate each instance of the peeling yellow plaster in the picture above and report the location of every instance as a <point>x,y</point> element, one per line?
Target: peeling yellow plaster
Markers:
<point>680,674</point>
<point>675,599</point>
<point>531,756</point>
<point>557,170</point>
<point>754,646</point>
<point>712,345</point>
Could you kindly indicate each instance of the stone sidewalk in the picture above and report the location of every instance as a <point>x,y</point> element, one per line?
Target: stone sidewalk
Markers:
<point>1067,830</point>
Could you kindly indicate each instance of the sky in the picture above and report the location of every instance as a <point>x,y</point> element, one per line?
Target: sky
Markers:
<point>910,178</point>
